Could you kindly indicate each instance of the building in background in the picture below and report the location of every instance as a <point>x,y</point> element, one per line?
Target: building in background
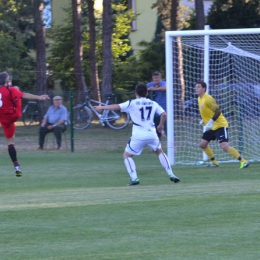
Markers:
<point>143,29</point>
<point>58,6</point>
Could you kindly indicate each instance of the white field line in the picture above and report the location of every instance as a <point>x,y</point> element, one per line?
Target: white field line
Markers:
<point>94,196</point>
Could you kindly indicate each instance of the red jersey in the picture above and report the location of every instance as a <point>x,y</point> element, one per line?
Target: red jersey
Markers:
<point>10,101</point>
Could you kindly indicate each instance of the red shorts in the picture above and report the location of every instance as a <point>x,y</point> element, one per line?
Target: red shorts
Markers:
<point>8,125</point>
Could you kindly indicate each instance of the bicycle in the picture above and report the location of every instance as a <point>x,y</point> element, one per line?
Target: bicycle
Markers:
<point>83,114</point>
<point>30,113</point>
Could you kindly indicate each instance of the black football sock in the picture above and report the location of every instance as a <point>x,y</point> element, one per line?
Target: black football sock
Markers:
<point>12,154</point>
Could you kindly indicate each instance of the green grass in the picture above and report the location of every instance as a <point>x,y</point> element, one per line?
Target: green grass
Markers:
<point>78,206</point>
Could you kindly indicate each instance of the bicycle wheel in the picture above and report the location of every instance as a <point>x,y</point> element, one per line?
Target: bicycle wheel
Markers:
<point>116,119</point>
<point>82,117</point>
<point>30,114</point>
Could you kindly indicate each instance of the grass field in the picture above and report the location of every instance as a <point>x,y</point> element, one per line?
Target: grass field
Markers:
<point>77,205</point>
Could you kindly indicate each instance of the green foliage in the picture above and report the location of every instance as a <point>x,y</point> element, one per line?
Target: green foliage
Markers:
<point>122,25</point>
<point>16,41</point>
<point>139,67</point>
<point>61,44</point>
<point>164,14</point>
<point>191,22</point>
<point>225,14</point>
<point>61,50</point>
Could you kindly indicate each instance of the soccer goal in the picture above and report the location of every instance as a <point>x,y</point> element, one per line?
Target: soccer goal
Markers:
<point>229,62</point>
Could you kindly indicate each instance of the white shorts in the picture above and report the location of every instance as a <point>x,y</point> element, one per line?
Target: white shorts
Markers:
<point>136,146</point>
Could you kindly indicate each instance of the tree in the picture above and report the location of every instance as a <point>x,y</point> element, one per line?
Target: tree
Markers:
<point>16,41</point>
<point>139,67</point>
<point>172,20</point>
<point>228,14</point>
<point>61,54</point>
<point>94,80</point>
<point>121,26</point>
<point>40,53</point>
<point>61,47</point>
<point>107,48</point>
<point>175,18</point>
<point>77,46</point>
<point>200,16</point>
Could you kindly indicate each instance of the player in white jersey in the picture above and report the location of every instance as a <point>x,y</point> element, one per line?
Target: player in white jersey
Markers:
<point>142,111</point>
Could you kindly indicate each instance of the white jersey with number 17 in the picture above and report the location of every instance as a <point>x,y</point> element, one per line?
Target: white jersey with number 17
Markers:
<point>142,111</point>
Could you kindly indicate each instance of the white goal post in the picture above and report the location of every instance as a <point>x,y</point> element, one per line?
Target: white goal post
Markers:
<point>228,61</point>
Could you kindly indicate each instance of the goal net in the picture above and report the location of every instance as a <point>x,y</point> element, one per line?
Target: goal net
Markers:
<point>229,62</point>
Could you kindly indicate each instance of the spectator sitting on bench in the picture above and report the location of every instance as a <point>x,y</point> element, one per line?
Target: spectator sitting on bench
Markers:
<point>55,121</point>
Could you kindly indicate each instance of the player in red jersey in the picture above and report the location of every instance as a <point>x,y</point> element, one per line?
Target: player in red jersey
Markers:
<point>10,112</point>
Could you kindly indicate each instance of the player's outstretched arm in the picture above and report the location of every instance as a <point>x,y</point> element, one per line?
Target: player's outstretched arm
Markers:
<point>35,97</point>
<point>160,127</point>
<point>108,107</point>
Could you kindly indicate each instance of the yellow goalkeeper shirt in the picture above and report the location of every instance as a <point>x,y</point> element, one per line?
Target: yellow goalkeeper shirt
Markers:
<point>207,107</point>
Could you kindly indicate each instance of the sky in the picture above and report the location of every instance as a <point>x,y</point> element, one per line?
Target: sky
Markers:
<point>47,14</point>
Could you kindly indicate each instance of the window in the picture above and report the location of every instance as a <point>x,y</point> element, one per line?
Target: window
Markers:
<point>132,5</point>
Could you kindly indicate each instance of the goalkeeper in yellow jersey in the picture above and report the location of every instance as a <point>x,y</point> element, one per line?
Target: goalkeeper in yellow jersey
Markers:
<point>215,126</point>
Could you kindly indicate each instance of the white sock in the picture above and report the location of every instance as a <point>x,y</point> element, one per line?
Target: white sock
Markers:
<point>165,163</point>
<point>130,167</point>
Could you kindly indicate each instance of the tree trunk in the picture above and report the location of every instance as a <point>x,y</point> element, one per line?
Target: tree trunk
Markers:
<point>200,23</point>
<point>178,77</point>
<point>106,48</point>
<point>78,50</point>
<point>174,15</point>
<point>92,51</point>
<point>40,54</point>
<point>200,16</point>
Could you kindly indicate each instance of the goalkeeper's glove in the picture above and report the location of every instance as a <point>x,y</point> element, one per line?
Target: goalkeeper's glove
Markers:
<point>201,122</point>
<point>209,125</point>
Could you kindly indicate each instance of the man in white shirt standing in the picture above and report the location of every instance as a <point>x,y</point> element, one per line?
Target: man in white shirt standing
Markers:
<point>142,111</point>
